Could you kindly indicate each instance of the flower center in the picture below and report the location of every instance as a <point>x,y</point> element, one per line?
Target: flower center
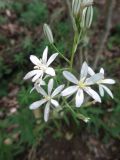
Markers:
<point>47,98</point>
<point>81,84</point>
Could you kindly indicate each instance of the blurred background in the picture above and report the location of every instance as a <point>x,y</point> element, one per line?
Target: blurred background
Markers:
<point>21,34</point>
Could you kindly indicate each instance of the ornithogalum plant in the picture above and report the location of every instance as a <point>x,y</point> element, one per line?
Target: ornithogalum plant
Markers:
<point>43,74</point>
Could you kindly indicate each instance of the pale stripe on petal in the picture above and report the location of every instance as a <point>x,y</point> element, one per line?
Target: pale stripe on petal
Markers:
<point>70,77</point>
<point>31,74</point>
<point>79,98</point>
<point>108,91</point>
<point>57,90</point>
<point>69,91</point>
<point>90,71</point>
<point>51,59</point>
<point>50,71</point>
<point>35,60</point>
<point>54,102</point>
<point>37,104</point>
<point>40,90</point>
<point>101,90</point>
<point>108,81</point>
<point>94,79</point>
<point>46,112</point>
<point>50,86</point>
<point>93,94</point>
<point>84,71</point>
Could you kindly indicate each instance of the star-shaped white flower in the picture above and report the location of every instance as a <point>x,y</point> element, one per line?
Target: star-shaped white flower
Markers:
<point>81,85</point>
<point>48,98</point>
<point>102,87</point>
<point>41,66</point>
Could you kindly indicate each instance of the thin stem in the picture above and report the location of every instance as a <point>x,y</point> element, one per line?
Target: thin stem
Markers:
<point>60,53</point>
<point>75,45</point>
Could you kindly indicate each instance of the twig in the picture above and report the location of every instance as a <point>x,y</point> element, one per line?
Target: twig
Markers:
<point>106,33</point>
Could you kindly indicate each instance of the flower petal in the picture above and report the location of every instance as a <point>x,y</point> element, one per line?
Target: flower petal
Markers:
<point>102,71</point>
<point>90,71</point>
<point>70,77</point>
<point>50,86</point>
<point>37,104</point>
<point>93,94</point>
<point>31,74</point>
<point>50,71</point>
<point>108,91</point>
<point>84,71</point>
<point>40,90</point>
<point>101,90</point>
<point>35,60</point>
<point>108,81</point>
<point>38,75</point>
<point>94,79</point>
<point>57,90</point>
<point>44,57</point>
<point>69,91</point>
<point>51,59</point>
<point>46,111</point>
<point>54,102</point>
<point>79,98</point>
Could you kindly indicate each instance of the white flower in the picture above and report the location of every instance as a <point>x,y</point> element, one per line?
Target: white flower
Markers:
<point>102,87</point>
<point>48,98</point>
<point>41,66</point>
<point>81,85</point>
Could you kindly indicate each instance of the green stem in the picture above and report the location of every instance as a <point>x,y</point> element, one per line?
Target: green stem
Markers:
<point>75,45</point>
<point>67,60</point>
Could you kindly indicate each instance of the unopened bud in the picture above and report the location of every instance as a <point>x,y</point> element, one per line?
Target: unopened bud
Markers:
<point>87,17</point>
<point>48,33</point>
<point>86,3</point>
<point>76,4</point>
<point>82,117</point>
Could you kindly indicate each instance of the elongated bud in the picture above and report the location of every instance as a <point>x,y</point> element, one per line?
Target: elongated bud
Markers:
<point>87,3</point>
<point>76,4</point>
<point>87,17</point>
<point>48,33</point>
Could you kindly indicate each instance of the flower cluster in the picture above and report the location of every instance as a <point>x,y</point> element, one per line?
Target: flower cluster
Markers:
<point>82,85</point>
<point>82,16</point>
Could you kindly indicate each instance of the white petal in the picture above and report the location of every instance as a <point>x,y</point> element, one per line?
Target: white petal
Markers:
<point>102,71</point>
<point>70,77</point>
<point>93,94</point>
<point>84,71</point>
<point>37,104</point>
<point>54,102</point>
<point>108,81</point>
<point>37,76</point>
<point>57,90</point>
<point>50,86</point>
<point>35,60</point>
<point>94,79</point>
<point>108,91</point>
<point>31,74</point>
<point>101,90</point>
<point>40,90</point>
<point>45,53</point>
<point>51,59</point>
<point>69,91</point>
<point>90,71</point>
<point>50,71</point>
<point>79,98</point>
<point>46,112</point>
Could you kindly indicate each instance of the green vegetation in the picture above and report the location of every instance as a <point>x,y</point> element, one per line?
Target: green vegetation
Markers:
<point>25,132</point>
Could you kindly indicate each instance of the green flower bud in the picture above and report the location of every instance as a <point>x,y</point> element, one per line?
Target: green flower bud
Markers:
<point>76,4</point>
<point>48,33</point>
<point>87,17</point>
